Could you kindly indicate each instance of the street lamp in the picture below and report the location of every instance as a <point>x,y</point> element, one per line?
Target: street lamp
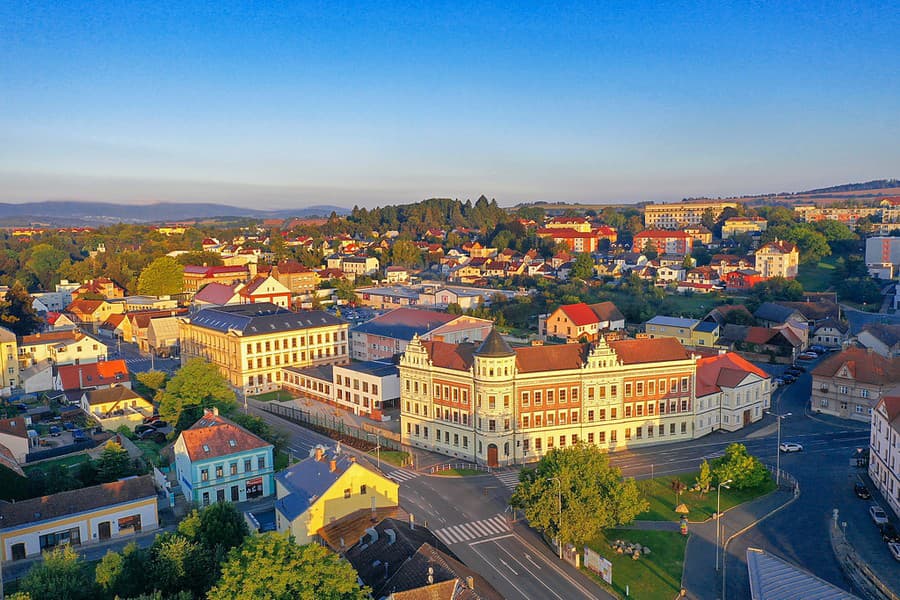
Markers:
<point>559,507</point>
<point>778,447</point>
<point>723,484</point>
<point>377,446</point>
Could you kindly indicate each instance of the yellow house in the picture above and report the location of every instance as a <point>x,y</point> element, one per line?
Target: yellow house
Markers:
<point>116,406</point>
<point>324,488</point>
<point>690,332</point>
<point>9,362</point>
<point>78,517</point>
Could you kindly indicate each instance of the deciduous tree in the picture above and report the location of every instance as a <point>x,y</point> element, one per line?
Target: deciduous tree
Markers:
<point>113,463</point>
<point>163,277</point>
<point>593,494</point>
<point>16,311</point>
<point>272,567</point>
<point>61,575</point>
<point>744,470</point>
<point>197,385</point>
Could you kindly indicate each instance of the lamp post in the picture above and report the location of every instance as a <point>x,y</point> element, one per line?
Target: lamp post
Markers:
<point>778,447</point>
<point>559,508</point>
<point>723,484</point>
<point>377,446</point>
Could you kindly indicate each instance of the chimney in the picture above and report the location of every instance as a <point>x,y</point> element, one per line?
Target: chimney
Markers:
<point>412,521</point>
<point>470,581</point>
<point>332,466</point>
<point>319,454</point>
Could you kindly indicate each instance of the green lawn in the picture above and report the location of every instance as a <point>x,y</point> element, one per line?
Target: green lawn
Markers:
<point>393,457</point>
<point>659,493</point>
<point>653,576</point>
<point>277,395</point>
<point>150,450</point>
<point>817,277</point>
<point>460,472</point>
<point>282,461</point>
<point>66,461</point>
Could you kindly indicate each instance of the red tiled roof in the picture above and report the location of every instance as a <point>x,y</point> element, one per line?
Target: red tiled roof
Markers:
<point>780,245</point>
<point>214,436</point>
<point>74,377</point>
<point>723,370</point>
<point>84,307</point>
<point>450,356</point>
<point>864,366</point>
<point>50,337</point>
<point>633,352</point>
<point>535,359</point>
<point>580,314</point>
<point>661,233</point>
<point>215,293</point>
<point>15,426</point>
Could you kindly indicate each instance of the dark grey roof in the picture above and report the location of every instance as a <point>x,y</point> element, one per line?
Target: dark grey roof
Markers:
<point>321,372</point>
<point>261,318</point>
<point>404,323</point>
<point>706,326</point>
<point>376,368</point>
<point>494,346</point>
<point>772,578</point>
<point>769,311</point>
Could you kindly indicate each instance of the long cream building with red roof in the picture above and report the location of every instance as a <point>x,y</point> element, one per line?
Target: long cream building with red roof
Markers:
<point>495,405</point>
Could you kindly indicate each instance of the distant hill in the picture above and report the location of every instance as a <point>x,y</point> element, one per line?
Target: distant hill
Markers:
<point>877,184</point>
<point>96,213</point>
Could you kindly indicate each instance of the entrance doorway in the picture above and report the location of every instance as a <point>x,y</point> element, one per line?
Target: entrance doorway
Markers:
<point>103,530</point>
<point>492,456</point>
<point>746,417</point>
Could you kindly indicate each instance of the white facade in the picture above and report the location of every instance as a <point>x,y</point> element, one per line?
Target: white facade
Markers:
<point>884,453</point>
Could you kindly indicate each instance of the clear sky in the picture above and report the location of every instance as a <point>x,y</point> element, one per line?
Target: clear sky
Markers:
<point>280,104</point>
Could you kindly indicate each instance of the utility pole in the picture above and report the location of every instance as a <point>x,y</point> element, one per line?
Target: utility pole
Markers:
<point>559,508</point>
<point>778,447</point>
<point>724,484</point>
<point>377,446</point>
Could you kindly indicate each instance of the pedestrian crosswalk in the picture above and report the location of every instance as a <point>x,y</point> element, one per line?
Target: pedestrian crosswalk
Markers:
<point>509,479</point>
<point>401,475</point>
<point>455,534</point>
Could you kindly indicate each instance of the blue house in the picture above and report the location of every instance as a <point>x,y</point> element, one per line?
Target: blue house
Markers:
<point>218,461</point>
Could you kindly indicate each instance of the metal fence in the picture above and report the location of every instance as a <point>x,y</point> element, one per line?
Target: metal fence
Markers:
<point>459,466</point>
<point>60,450</point>
<point>330,425</point>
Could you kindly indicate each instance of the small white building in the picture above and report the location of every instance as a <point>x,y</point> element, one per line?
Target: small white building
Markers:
<point>731,393</point>
<point>365,388</point>
<point>78,517</point>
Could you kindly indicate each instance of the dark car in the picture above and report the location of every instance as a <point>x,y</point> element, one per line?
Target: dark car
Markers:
<point>861,491</point>
<point>78,435</point>
<point>55,431</point>
<point>788,378</point>
<point>159,424</point>
<point>157,436</point>
<point>143,428</point>
<point>799,368</point>
<point>69,425</point>
<point>889,533</point>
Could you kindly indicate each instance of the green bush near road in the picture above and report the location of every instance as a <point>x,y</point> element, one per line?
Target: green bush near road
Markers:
<point>653,576</point>
<point>659,493</point>
<point>393,457</point>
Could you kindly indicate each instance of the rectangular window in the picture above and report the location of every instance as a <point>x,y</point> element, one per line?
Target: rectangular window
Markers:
<point>590,437</point>
<point>549,396</point>
<point>628,390</point>
<point>612,436</point>
<point>627,411</point>
<point>549,418</point>
<point>639,388</point>
<point>683,427</point>
<point>537,398</point>
<point>233,468</point>
<point>613,391</point>
<point>684,384</point>
<point>601,392</point>
<point>525,421</point>
<point>261,462</point>
<point>574,394</point>
<point>651,387</point>
<point>204,474</point>
<point>612,413</point>
<point>601,437</point>
<point>525,398</point>
<point>247,465</point>
<point>651,406</point>
<point>347,493</point>
<point>640,410</point>
<point>672,428</point>
<point>590,416</point>
<point>628,433</point>
<point>602,414</point>
<point>537,444</point>
<point>562,396</point>
<point>562,441</point>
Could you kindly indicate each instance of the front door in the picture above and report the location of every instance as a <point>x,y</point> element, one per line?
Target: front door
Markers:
<point>18,551</point>
<point>492,455</point>
<point>746,417</point>
<point>103,530</point>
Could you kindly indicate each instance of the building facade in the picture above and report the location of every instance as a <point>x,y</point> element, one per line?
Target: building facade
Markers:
<point>738,225</point>
<point>493,405</point>
<point>884,452</point>
<point>252,343</point>
<point>9,362</point>
<point>850,384</point>
<point>678,214</point>
<point>731,393</point>
<point>664,242</point>
<point>777,259</point>
<point>365,388</point>
<point>219,461</point>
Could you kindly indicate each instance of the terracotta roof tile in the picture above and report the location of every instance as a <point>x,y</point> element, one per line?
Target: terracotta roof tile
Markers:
<point>108,372</point>
<point>863,365</point>
<point>214,436</point>
<point>649,350</point>
<point>580,314</point>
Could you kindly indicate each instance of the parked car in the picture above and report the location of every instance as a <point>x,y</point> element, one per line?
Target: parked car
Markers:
<point>79,436</point>
<point>889,533</point>
<point>153,419</point>
<point>808,356</point>
<point>894,547</point>
<point>878,515</point>
<point>152,434</point>
<point>69,425</point>
<point>799,368</point>
<point>778,381</point>
<point>55,431</point>
<point>818,349</point>
<point>788,378</point>
<point>861,490</point>
<point>159,424</point>
<point>142,428</point>
<point>790,447</point>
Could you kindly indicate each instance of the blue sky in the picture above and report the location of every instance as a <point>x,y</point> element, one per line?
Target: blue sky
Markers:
<point>293,104</point>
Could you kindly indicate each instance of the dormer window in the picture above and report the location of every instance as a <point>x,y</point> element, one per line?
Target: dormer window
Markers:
<point>232,443</point>
<point>205,448</point>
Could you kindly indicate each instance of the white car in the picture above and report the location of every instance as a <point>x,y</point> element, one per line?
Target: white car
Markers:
<point>877,514</point>
<point>894,547</point>
<point>790,447</point>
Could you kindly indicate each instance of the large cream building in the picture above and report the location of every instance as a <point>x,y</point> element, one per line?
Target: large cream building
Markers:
<point>494,405</point>
<point>252,343</point>
<point>678,214</point>
<point>9,362</point>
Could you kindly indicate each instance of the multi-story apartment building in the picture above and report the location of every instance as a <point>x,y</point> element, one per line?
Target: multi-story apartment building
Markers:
<point>884,452</point>
<point>883,256</point>
<point>9,362</point>
<point>777,259</point>
<point>578,239</point>
<point>679,214</point>
<point>296,277</point>
<point>494,405</point>
<point>252,343</point>
<point>738,225</point>
<point>731,393</point>
<point>850,384</point>
<point>364,388</point>
<point>664,242</point>
<point>195,277</point>
<point>66,347</point>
